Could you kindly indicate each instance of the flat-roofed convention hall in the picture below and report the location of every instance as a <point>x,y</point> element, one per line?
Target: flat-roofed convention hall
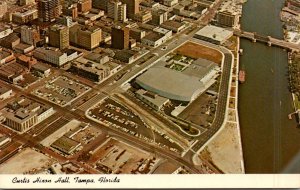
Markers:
<point>171,84</point>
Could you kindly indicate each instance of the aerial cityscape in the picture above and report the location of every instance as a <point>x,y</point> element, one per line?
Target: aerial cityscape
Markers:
<point>149,86</point>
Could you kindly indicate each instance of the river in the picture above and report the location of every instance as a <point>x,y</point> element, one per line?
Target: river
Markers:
<point>270,140</point>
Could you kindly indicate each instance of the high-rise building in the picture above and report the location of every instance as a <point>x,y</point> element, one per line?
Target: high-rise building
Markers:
<point>117,11</point>
<point>159,16</point>
<point>59,36</point>
<point>48,10</point>
<point>30,35</point>
<point>120,37</point>
<point>71,10</point>
<point>132,7</point>
<point>100,4</point>
<point>3,8</point>
<point>226,18</point>
<point>84,5</point>
<point>86,37</point>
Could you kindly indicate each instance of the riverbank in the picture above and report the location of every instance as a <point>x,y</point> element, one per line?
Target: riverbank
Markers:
<point>289,15</point>
<point>225,151</point>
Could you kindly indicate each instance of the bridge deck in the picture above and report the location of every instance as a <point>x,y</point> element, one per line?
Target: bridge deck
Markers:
<point>267,39</point>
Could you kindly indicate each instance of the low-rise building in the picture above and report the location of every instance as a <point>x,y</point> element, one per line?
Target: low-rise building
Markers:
<point>5,93</point>
<point>26,61</point>
<point>153,100</point>
<point>5,31</point>
<point>4,140</point>
<point>24,16</point>
<point>173,25</point>
<point>127,56</point>
<point>41,70</point>
<point>150,4</point>
<point>55,56</point>
<point>143,16</point>
<point>12,72</point>
<point>154,39</point>
<point>137,34</point>
<point>89,69</point>
<point>170,3</point>
<point>165,32</point>
<point>204,69</point>
<point>26,2</point>
<point>6,56</point>
<point>23,48</point>
<point>10,41</point>
<point>100,58</point>
<point>24,113</point>
<point>66,145</point>
<point>213,34</point>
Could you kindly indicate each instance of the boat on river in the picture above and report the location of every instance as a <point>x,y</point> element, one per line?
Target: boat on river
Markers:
<point>242,76</point>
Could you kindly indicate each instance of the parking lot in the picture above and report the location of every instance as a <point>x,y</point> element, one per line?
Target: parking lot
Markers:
<point>115,115</point>
<point>61,90</point>
<point>201,111</point>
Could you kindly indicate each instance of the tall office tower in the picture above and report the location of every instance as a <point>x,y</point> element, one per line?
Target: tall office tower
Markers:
<point>30,35</point>
<point>88,37</point>
<point>48,10</point>
<point>3,9</point>
<point>132,7</point>
<point>100,4</point>
<point>117,11</point>
<point>71,10</point>
<point>120,37</point>
<point>84,5</point>
<point>59,36</point>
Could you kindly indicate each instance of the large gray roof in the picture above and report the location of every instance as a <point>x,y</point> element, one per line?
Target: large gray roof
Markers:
<point>170,84</point>
<point>199,68</point>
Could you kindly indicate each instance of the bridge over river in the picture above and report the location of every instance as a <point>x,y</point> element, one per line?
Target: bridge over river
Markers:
<point>270,41</point>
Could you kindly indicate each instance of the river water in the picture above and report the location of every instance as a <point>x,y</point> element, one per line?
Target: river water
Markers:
<point>270,140</point>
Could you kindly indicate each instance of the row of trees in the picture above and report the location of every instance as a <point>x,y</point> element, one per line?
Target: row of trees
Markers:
<point>294,74</point>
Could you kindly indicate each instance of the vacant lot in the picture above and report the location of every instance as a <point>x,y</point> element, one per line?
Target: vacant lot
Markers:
<point>26,161</point>
<point>196,51</point>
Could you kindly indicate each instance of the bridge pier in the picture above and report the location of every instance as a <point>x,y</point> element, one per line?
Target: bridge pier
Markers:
<point>253,40</point>
<point>269,43</point>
